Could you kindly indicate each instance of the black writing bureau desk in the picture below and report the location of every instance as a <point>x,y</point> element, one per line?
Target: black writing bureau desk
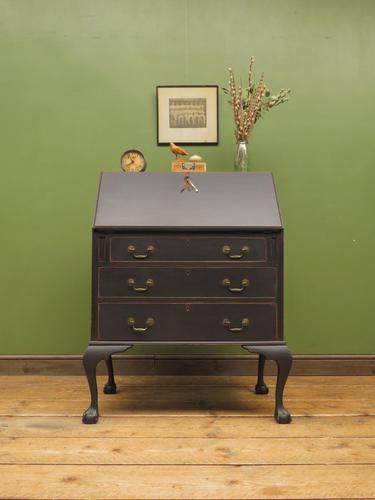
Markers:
<point>172,267</point>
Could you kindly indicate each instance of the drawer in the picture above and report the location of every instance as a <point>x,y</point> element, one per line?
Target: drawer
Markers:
<point>156,282</point>
<point>156,248</point>
<point>157,322</point>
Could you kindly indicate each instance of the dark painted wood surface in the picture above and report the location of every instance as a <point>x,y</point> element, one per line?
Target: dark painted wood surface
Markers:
<point>188,322</point>
<point>175,279</point>
<point>155,248</point>
<point>187,268</point>
<point>196,282</point>
<point>153,200</point>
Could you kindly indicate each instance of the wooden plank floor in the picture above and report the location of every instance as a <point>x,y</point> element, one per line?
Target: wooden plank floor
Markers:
<point>188,437</point>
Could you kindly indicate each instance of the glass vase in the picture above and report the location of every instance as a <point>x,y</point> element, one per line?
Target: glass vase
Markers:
<point>241,159</point>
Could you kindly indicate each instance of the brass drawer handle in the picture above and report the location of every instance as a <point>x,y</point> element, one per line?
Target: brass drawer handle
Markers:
<point>245,283</point>
<point>139,329</point>
<point>131,250</point>
<point>245,322</point>
<point>131,284</point>
<point>227,249</point>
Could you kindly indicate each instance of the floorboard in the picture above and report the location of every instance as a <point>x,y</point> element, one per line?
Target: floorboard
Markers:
<point>187,451</point>
<point>188,427</point>
<point>188,482</point>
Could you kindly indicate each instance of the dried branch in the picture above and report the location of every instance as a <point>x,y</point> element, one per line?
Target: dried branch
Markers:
<point>249,103</point>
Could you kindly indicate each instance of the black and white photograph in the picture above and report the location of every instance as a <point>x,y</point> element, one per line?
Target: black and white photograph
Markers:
<point>188,113</point>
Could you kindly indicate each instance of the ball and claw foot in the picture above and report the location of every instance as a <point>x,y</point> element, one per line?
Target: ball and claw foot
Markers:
<point>261,389</point>
<point>110,389</point>
<point>282,416</point>
<point>90,416</point>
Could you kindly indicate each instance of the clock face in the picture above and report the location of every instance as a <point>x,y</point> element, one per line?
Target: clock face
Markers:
<point>133,161</point>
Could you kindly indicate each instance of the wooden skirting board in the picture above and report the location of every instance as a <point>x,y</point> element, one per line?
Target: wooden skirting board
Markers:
<point>188,365</point>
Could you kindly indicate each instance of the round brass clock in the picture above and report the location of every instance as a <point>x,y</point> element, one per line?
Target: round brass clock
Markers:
<point>133,160</point>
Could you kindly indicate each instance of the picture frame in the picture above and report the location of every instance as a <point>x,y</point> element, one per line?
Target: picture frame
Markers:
<point>187,114</point>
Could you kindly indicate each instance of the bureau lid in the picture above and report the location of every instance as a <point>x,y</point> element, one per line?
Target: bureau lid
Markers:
<point>152,200</point>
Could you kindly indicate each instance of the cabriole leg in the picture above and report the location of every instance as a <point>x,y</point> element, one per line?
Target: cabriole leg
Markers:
<point>92,356</point>
<point>110,386</point>
<point>261,387</point>
<point>283,358</point>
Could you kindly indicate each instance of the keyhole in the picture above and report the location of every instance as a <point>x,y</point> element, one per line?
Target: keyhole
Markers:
<point>187,308</point>
<point>187,272</point>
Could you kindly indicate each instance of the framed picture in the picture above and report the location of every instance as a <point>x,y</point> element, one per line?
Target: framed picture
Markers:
<point>187,114</point>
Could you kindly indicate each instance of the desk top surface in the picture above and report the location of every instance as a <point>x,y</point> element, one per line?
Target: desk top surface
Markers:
<point>153,201</point>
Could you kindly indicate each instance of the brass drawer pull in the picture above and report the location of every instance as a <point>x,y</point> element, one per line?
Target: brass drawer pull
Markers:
<point>227,249</point>
<point>245,283</point>
<point>131,250</point>
<point>245,322</point>
<point>138,329</point>
<point>131,284</point>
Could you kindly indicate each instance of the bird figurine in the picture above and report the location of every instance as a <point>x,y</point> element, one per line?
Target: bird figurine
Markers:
<point>176,150</point>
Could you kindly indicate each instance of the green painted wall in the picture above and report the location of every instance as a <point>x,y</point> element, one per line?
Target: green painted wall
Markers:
<point>77,85</point>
